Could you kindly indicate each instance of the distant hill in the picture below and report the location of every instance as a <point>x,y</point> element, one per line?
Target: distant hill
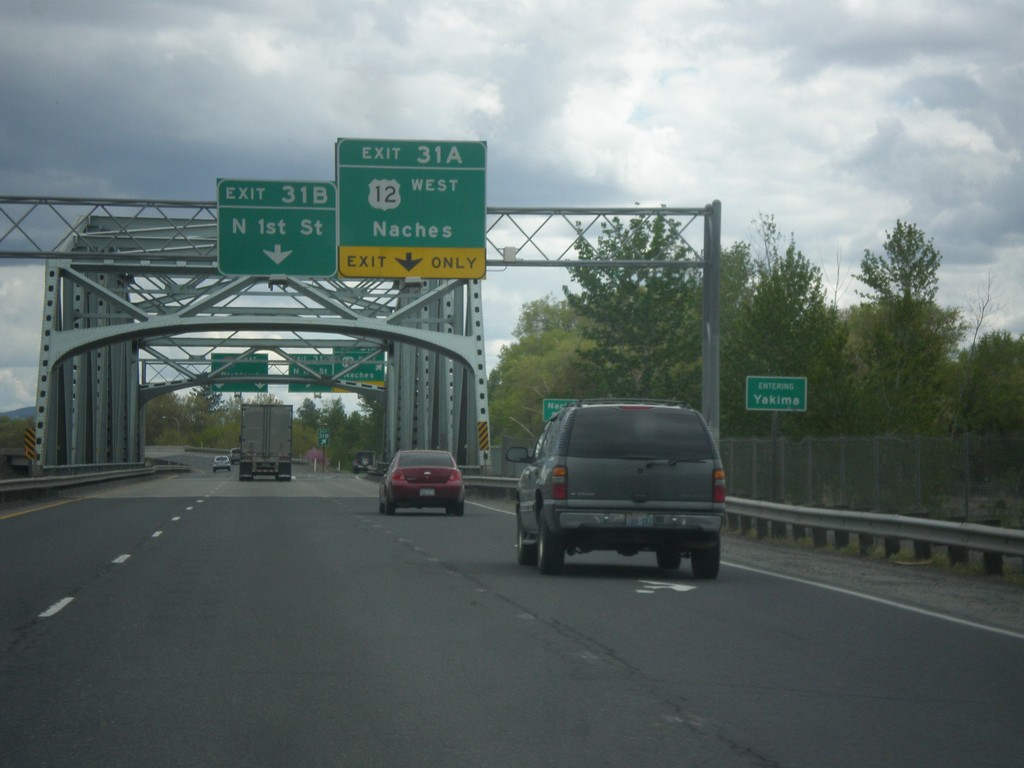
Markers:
<point>20,413</point>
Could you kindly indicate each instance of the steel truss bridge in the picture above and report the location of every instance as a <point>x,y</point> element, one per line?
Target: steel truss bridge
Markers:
<point>134,307</point>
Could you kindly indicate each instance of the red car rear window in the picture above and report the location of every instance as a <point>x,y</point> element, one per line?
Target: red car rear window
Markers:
<point>425,459</point>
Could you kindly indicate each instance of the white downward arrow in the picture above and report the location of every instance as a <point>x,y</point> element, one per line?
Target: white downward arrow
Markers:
<point>650,586</point>
<point>277,255</point>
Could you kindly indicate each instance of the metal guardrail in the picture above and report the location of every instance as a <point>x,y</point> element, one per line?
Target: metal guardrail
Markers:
<point>971,536</point>
<point>491,486</point>
<point>32,487</point>
<point>991,541</point>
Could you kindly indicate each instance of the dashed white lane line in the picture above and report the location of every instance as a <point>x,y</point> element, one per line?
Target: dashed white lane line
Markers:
<point>119,560</point>
<point>56,608</point>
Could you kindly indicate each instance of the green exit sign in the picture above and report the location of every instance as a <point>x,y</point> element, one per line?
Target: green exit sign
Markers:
<point>225,367</point>
<point>411,208</point>
<point>267,228</point>
<point>553,405</point>
<point>776,393</point>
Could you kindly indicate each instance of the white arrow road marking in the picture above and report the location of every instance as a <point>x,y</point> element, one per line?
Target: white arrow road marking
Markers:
<point>651,586</point>
<point>55,608</point>
<point>277,255</point>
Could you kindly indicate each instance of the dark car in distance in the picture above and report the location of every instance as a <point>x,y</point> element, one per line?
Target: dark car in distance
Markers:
<point>625,476</point>
<point>365,461</point>
<point>422,478</point>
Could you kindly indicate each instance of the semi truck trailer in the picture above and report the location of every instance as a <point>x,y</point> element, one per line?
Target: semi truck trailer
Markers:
<point>265,443</point>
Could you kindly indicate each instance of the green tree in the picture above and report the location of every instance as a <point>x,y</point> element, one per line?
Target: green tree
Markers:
<point>908,271</point>
<point>784,325</point>
<point>308,414</point>
<point>12,432</point>
<point>540,363</point>
<point>903,343</point>
<point>643,323</point>
<point>166,422</point>
<point>993,402</point>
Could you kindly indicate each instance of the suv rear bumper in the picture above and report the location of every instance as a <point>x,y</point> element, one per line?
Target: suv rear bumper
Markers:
<point>631,531</point>
<point>638,521</point>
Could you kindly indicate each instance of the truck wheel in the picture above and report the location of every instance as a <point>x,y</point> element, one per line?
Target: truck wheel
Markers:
<point>550,549</point>
<point>526,552</point>
<point>705,562</point>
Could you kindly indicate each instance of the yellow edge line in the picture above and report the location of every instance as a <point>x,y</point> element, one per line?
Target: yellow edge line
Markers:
<point>53,504</point>
<point>36,509</point>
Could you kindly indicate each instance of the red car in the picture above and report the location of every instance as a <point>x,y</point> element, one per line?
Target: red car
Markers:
<point>421,478</point>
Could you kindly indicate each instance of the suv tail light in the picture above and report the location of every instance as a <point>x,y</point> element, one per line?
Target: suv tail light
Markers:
<point>718,486</point>
<point>560,483</point>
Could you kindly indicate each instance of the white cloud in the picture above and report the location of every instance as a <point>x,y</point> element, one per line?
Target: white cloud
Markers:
<point>836,118</point>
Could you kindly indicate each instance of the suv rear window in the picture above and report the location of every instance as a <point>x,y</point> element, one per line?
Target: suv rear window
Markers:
<point>639,432</point>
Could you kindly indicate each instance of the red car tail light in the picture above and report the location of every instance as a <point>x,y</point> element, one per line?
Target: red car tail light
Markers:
<point>560,483</point>
<point>455,477</point>
<point>718,486</point>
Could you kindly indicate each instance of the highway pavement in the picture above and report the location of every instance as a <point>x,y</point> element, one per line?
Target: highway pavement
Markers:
<point>193,620</point>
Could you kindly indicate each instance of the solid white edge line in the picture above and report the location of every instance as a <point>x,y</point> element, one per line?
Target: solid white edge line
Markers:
<point>852,593</point>
<point>494,509</point>
<point>55,608</point>
<point>882,601</point>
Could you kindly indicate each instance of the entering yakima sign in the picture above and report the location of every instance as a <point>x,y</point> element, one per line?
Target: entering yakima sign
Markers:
<point>776,393</point>
<point>411,208</point>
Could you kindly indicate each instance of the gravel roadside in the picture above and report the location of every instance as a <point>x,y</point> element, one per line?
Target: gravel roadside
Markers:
<point>988,600</point>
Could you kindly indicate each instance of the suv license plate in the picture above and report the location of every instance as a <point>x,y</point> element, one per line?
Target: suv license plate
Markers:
<point>426,491</point>
<point>639,520</point>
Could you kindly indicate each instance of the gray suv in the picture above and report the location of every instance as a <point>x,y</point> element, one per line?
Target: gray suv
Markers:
<point>626,476</point>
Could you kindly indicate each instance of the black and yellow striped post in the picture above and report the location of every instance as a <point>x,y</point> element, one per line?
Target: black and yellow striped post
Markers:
<point>30,444</point>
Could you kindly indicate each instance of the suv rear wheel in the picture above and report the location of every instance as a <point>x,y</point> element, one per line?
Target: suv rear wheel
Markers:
<point>526,552</point>
<point>705,562</point>
<point>550,550</point>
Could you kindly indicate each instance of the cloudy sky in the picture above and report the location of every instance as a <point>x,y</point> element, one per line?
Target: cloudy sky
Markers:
<point>836,118</point>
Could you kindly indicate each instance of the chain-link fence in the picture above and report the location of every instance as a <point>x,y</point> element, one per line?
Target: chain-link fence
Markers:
<point>969,477</point>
